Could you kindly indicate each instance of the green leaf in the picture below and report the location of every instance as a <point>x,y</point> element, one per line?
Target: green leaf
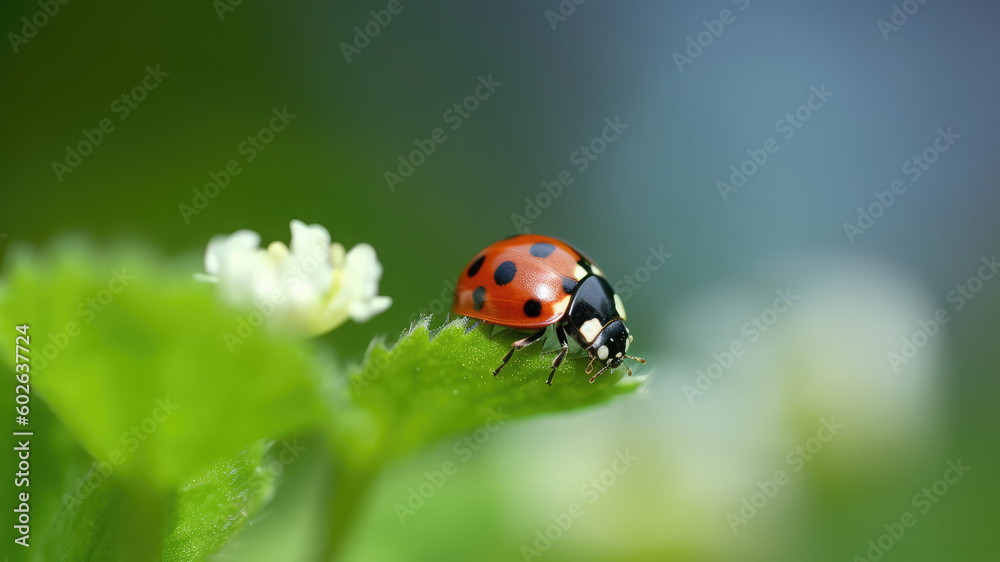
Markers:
<point>212,507</point>
<point>433,384</point>
<point>133,355</point>
<point>86,528</point>
<point>205,512</point>
<point>57,461</point>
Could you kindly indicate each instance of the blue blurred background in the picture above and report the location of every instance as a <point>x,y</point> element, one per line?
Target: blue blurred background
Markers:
<point>865,226</point>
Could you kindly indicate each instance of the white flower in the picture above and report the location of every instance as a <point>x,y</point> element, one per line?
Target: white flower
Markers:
<point>311,288</point>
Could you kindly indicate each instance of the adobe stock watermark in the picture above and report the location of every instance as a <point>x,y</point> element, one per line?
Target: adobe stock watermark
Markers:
<point>463,449</point>
<point>364,33</point>
<point>795,460</point>
<point>924,501</point>
<point>698,43</point>
<point>87,310</point>
<point>580,160</point>
<point>372,371</point>
<point>248,323</point>
<point>249,149</point>
<point>787,127</point>
<point>898,17</point>
<point>455,116</point>
<point>288,454</point>
<point>264,307</point>
<point>563,11</point>
<point>440,304</point>
<point>958,298</point>
<point>31,26</point>
<point>265,473</point>
<point>632,282</point>
<point>914,168</point>
<point>624,287</point>
<point>122,107</point>
<point>131,441</point>
<point>752,331</point>
<point>377,360</point>
<point>224,7</point>
<point>590,492</point>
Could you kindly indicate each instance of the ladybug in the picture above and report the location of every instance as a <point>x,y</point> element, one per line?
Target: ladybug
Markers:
<point>530,282</point>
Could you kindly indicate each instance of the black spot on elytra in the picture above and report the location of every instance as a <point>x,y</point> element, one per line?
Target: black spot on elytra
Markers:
<point>541,249</point>
<point>532,308</point>
<point>505,273</point>
<point>474,268</point>
<point>479,298</point>
<point>569,285</point>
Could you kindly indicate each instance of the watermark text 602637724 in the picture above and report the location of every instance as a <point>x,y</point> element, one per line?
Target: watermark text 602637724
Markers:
<point>22,398</point>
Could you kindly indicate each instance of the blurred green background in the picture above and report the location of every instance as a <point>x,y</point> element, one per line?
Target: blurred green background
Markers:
<point>699,455</point>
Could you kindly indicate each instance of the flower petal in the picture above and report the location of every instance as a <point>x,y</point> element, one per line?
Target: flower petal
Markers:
<point>307,238</point>
<point>312,286</point>
<point>363,311</point>
<point>222,246</point>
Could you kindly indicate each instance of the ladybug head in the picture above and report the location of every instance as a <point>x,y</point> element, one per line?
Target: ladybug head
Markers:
<point>610,346</point>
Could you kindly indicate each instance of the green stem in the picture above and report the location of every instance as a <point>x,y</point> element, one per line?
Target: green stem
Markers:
<point>350,486</point>
<point>142,539</point>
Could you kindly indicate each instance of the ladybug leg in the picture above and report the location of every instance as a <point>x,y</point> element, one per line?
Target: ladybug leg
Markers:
<point>519,344</point>
<point>562,353</point>
<point>599,373</point>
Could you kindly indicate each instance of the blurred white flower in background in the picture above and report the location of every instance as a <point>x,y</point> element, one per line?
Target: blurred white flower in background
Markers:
<point>824,357</point>
<point>310,288</point>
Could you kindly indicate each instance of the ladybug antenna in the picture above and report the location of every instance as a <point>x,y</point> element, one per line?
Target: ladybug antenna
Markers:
<point>639,359</point>
<point>590,367</point>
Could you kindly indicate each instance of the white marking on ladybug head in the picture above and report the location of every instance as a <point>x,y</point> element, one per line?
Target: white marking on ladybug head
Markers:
<point>619,354</point>
<point>602,352</point>
<point>596,270</point>
<point>579,272</point>
<point>590,329</point>
<point>628,342</point>
<point>620,307</point>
